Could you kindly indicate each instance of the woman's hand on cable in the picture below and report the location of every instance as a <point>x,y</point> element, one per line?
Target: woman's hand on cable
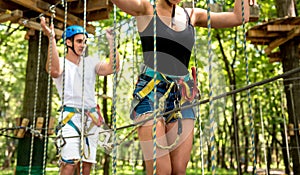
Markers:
<point>48,31</point>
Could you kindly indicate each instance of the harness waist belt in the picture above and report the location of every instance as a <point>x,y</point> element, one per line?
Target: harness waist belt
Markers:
<point>150,72</point>
<point>77,110</point>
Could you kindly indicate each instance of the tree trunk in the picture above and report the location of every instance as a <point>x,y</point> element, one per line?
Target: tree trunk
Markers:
<point>290,60</point>
<point>285,8</point>
<point>284,150</point>
<point>23,157</point>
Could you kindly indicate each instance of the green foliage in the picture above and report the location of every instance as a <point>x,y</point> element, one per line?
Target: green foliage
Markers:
<point>13,58</point>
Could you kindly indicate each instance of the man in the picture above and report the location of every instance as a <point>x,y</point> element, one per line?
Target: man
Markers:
<point>72,76</point>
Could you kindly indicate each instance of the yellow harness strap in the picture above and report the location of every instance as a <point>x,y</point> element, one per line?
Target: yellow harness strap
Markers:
<point>147,89</point>
<point>68,118</point>
<point>71,114</point>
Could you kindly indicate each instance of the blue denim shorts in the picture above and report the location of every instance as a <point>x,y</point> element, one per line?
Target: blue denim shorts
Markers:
<point>146,105</point>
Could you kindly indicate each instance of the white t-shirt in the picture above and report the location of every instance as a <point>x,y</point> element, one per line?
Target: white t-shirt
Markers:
<point>73,82</point>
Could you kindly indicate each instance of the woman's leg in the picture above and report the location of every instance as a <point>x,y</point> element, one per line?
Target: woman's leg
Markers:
<point>163,164</point>
<point>180,155</point>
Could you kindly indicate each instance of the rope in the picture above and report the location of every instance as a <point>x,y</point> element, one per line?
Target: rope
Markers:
<point>198,114</point>
<point>63,81</point>
<point>35,98</point>
<point>213,98</point>
<point>83,122</point>
<point>52,9</point>
<point>155,88</point>
<point>161,108</point>
<point>263,138</point>
<point>251,123</point>
<point>133,56</point>
<point>236,136</point>
<point>211,102</point>
<point>285,130</point>
<point>157,111</point>
<point>114,116</point>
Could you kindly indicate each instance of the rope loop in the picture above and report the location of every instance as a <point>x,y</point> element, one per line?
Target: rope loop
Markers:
<point>52,9</point>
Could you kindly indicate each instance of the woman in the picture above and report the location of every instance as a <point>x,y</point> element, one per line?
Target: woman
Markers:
<point>174,42</point>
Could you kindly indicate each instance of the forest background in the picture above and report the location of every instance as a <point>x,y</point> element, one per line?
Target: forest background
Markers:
<point>232,128</point>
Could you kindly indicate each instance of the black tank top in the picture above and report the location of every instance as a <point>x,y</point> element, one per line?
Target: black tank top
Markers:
<point>173,47</point>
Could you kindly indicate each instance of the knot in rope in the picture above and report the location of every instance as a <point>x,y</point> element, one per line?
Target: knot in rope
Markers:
<point>52,9</point>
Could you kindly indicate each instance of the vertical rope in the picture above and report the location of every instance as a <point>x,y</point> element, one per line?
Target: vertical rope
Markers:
<point>83,122</point>
<point>198,106</point>
<point>285,129</point>
<point>211,103</point>
<point>114,113</point>
<point>35,98</point>
<point>236,135</point>
<point>155,89</point>
<point>263,138</point>
<point>65,4</point>
<point>52,9</point>
<point>133,55</point>
<point>251,123</point>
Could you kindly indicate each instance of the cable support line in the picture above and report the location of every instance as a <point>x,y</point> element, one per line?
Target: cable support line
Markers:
<point>65,4</point>
<point>180,108</point>
<point>198,114</point>
<point>154,133</point>
<point>123,139</point>
<point>197,103</point>
<point>114,100</point>
<point>35,98</point>
<point>285,129</point>
<point>263,138</point>
<point>253,85</point>
<point>215,97</point>
<point>83,119</point>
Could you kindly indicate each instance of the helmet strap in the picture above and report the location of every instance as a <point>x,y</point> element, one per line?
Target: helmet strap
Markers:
<point>72,47</point>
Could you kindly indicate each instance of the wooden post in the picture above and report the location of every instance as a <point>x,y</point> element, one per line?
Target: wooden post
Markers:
<point>51,126</point>
<point>39,126</point>
<point>21,131</point>
<point>18,123</point>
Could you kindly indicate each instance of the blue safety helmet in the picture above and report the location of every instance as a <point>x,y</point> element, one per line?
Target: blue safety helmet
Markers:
<point>74,30</point>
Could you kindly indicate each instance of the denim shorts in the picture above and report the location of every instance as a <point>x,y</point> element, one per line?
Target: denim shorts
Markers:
<point>146,105</point>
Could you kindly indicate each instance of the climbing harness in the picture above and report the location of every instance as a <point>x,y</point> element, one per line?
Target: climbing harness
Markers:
<point>174,83</point>
<point>182,83</point>
<point>67,120</point>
